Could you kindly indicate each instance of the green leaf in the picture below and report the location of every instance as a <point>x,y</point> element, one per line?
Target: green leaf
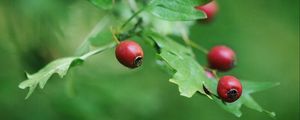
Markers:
<point>176,10</point>
<point>59,66</point>
<point>252,87</point>
<point>104,4</point>
<point>189,75</point>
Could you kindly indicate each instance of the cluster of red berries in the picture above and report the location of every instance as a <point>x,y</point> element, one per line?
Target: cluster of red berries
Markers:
<point>221,58</point>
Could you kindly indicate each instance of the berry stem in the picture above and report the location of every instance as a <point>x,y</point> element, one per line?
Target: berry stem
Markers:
<point>198,47</point>
<point>215,74</point>
<point>114,35</point>
<point>132,32</point>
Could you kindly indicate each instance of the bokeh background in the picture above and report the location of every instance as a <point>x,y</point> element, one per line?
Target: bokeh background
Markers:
<point>265,35</point>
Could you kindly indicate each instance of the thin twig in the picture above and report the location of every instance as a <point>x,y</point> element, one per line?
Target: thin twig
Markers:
<point>98,50</point>
<point>192,44</point>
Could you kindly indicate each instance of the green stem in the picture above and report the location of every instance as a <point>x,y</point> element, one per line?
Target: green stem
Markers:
<point>133,16</point>
<point>192,44</point>
<point>271,114</point>
<point>198,47</point>
<point>98,50</point>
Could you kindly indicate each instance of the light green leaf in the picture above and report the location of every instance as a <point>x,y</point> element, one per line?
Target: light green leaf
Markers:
<point>176,10</point>
<point>59,66</point>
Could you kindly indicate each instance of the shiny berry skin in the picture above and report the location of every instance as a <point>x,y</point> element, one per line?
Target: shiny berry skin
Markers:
<point>129,54</point>
<point>229,89</point>
<point>210,9</point>
<point>221,58</point>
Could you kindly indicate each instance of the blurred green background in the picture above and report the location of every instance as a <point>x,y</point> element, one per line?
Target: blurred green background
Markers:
<point>265,35</point>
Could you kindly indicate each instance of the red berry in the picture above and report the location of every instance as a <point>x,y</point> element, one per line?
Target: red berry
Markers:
<point>210,9</point>
<point>229,89</point>
<point>221,58</point>
<point>129,54</point>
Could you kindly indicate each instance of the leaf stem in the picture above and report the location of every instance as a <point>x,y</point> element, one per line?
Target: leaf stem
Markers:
<point>113,33</point>
<point>98,50</point>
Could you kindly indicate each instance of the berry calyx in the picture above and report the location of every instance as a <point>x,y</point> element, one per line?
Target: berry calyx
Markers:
<point>210,9</point>
<point>229,89</point>
<point>221,58</point>
<point>129,54</point>
<point>209,74</point>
